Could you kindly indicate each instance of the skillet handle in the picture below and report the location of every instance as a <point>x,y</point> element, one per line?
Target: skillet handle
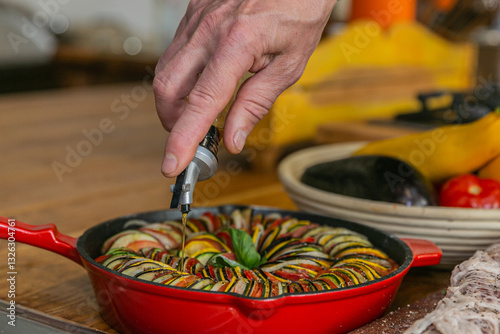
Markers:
<point>425,252</point>
<point>42,236</point>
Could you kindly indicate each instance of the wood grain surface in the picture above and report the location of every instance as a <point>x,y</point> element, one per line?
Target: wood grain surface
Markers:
<point>116,173</point>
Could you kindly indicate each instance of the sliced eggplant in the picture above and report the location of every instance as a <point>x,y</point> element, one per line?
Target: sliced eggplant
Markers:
<point>372,177</point>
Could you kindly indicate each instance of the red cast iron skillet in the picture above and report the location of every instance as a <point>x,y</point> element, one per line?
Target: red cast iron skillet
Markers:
<point>133,306</point>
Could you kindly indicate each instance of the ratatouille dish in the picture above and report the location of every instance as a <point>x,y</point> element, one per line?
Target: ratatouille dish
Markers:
<point>254,256</point>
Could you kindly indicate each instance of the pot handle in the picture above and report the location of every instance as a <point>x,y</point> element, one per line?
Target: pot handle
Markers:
<point>43,236</point>
<point>425,252</point>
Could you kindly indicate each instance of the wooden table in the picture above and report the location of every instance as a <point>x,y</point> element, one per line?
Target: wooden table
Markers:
<point>81,156</point>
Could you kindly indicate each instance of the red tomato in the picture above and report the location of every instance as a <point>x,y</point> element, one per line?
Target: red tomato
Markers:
<point>469,191</point>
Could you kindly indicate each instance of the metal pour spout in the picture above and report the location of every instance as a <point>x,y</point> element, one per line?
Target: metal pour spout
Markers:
<point>201,168</point>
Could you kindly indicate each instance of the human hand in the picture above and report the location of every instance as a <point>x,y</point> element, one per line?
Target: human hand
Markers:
<point>216,43</point>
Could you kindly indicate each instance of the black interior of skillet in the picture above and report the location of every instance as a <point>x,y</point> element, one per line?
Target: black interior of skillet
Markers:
<point>89,244</point>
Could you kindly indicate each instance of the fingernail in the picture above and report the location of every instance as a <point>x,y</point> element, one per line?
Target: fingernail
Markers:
<point>169,164</point>
<point>239,139</point>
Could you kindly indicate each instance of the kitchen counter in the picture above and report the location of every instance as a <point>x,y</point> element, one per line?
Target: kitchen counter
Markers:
<point>77,157</point>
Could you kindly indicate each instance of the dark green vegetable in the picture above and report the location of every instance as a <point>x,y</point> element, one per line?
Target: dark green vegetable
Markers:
<point>244,248</point>
<point>219,261</point>
<point>372,177</point>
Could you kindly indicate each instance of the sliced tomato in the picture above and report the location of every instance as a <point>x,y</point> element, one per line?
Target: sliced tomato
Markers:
<point>225,237</point>
<point>139,244</point>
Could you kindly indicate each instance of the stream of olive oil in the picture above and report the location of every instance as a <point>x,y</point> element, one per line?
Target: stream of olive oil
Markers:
<point>184,222</point>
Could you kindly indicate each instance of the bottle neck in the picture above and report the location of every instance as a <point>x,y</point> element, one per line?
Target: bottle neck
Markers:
<point>212,140</point>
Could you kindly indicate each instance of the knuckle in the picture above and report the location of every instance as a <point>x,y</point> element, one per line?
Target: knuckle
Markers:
<point>257,108</point>
<point>163,88</point>
<point>203,96</point>
<point>242,35</point>
<point>239,32</point>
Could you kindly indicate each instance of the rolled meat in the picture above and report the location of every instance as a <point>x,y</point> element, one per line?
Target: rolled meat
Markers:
<point>472,302</point>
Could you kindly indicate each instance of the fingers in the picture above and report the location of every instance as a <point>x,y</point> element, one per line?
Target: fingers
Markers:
<point>207,99</point>
<point>174,83</point>
<point>255,98</point>
<point>178,68</point>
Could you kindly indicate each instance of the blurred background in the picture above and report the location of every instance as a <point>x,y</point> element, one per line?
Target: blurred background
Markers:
<point>60,43</point>
<point>377,59</point>
<point>55,43</point>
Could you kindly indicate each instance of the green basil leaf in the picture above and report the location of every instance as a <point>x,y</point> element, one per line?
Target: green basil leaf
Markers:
<point>219,261</point>
<point>244,248</point>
